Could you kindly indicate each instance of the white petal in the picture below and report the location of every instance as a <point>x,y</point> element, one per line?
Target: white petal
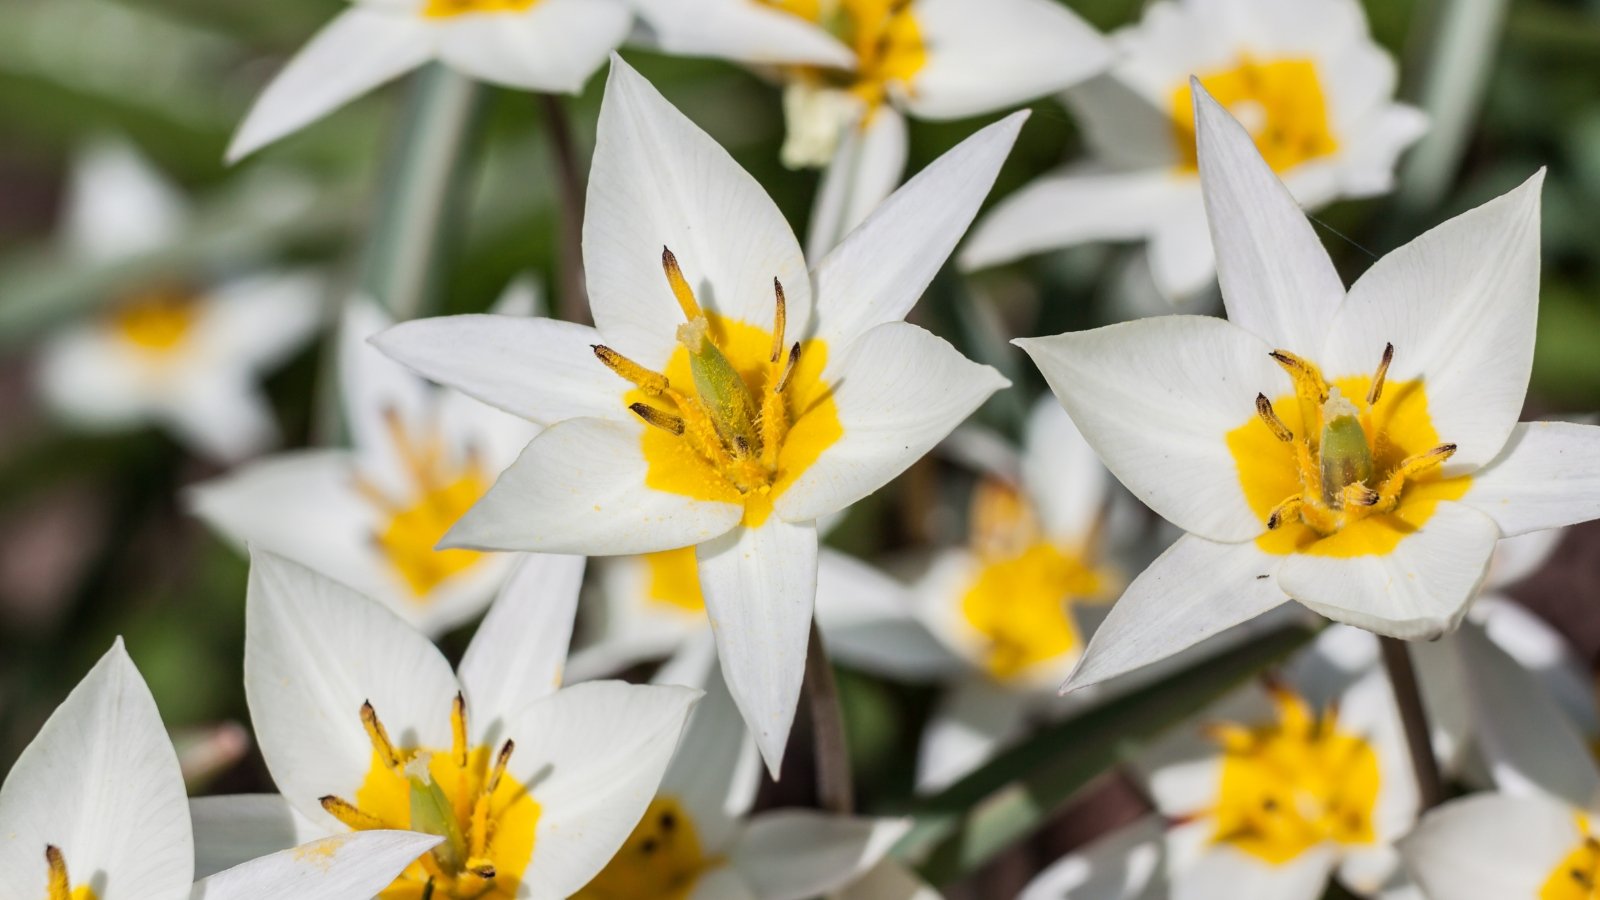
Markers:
<point>866,166</point>
<point>882,268</point>
<point>579,487</point>
<point>1125,864</point>
<point>987,56</point>
<point>1122,127</point>
<point>222,417</point>
<point>593,756</point>
<point>722,883</point>
<point>795,854</point>
<point>659,180</point>
<point>1417,591</point>
<point>554,46</point>
<point>1061,473</point>
<point>1545,652</point>
<point>900,391</point>
<point>333,868</point>
<point>1277,279</point>
<point>359,50</point>
<point>1490,846</point>
<point>100,782</point>
<point>1518,557</point>
<point>869,623</point>
<point>1182,262</point>
<point>520,648</point>
<point>1226,872</point>
<point>1459,304</point>
<point>315,651</point>
<point>1155,398</point>
<point>257,322</point>
<point>1196,589</point>
<point>1070,208</point>
<point>543,370</point>
<point>969,725</point>
<point>1546,476</point>
<point>740,31</point>
<point>373,388</point>
<point>118,205</point>
<point>759,586</point>
<point>234,829</point>
<point>717,770</point>
<point>92,382</point>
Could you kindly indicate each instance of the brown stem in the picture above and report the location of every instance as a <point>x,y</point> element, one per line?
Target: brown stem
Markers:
<point>573,303</point>
<point>835,790</point>
<point>1408,696</point>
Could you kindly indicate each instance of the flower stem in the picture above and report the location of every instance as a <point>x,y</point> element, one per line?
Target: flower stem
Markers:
<point>835,790</point>
<point>573,304</point>
<point>1419,743</point>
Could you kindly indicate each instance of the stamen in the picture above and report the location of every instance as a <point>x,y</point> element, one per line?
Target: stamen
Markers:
<point>60,884</point>
<point>458,730</point>
<point>347,813</point>
<point>1358,495</point>
<point>1410,468</point>
<point>780,321</point>
<point>427,890</point>
<point>788,368</point>
<point>663,420</point>
<point>379,736</point>
<point>1270,416</point>
<point>680,286</point>
<point>650,382</point>
<point>1383,371</point>
<point>484,870</point>
<point>1310,388</point>
<point>499,770</point>
<point>1283,512</point>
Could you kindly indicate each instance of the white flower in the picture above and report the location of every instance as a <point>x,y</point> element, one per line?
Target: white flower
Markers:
<point>716,403</point>
<point>1360,454</point>
<point>364,726</point>
<point>535,45</point>
<point>1314,90</point>
<point>94,809</point>
<point>370,516</point>
<point>1273,791</point>
<point>699,839</point>
<point>184,354</point>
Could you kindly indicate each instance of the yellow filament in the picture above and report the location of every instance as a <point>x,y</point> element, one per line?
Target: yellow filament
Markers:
<point>650,382</point>
<point>379,736</point>
<point>680,287</point>
<point>60,884</point>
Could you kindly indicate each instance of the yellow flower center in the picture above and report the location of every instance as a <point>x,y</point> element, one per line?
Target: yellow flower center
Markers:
<point>1279,102</point>
<point>1577,876</point>
<point>59,886</point>
<point>449,9</point>
<point>1292,785</point>
<point>675,580</point>
<point>1331,478</point>
<point>738,415</point>
<point>156,323</point>
<point>1021,600</point>
<point>462,794</point>
<point>442,490</point>
<point>661,860</point>
<point>883,33</point>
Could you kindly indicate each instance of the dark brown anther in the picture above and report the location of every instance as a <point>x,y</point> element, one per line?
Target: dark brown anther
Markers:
<point>663,420</point>
<point>1270,417</point>
<point>1378,377</point>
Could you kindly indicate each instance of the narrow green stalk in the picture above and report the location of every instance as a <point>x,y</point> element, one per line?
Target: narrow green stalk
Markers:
<point>1414,715</point>
<point>835,789</point>
<point>573,303</point>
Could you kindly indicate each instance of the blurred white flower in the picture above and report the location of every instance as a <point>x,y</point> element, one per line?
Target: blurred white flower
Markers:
<point>94,809</point>
<point>364,726</point>
<point>370,516</point>
<point>1306,79</point>
<point>715,404</point>
<point>184,354</point>
<point>1374,496</point>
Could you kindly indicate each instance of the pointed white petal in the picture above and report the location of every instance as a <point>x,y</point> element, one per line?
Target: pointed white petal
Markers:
<point>1061,473</point>
<point>553,46</point>
<point>1546,476</point>
<point>315,651</point>
<point>1517,557</point>
<point>658,180</point>
<point>373,389</point>
<point>899,392</point>
<point>970,724</point>
<point>1123,865</point>
<point>579,487</point>
<point>543,370</point>
<point>1490,846</point>
<point>1122,127</point>
<point>520,649</point>
<point>101,783</point>
<point>881,269</point>
<point>1417,591</point>
<point>118,205</point>
<point>1459,304</point>
<point>888,880</point>
<point>1196,589</point>
<point>1182,262</point>
<point>1277,279</point>
<point>1226,872</point>
<point>222,417</point>
<point>333,868</point>
<point>987,56</point>
<point>234,829</point>
<point>759,585</point>
<point>257,322</point>
<point>717,770</point>
<point>1156,399</point>
<point>740,31</point>
<point>866,166</point>
<point>360,49</point>
<point>796,854</point>
<point>1547,654</point>
<point>593,755</point>
<point>1070,208</point>
<point>869,623</point>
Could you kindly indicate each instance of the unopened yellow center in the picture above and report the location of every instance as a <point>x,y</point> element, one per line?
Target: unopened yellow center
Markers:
<point>1292,477</point>
<point>674,580</point>
<point>1291,785</point>
<point>446,9</point>
<point>883,33</point>
<point>1280,102</point>
<point>1577,876</point>
<point>661,860</point>
<point>156,323</point>
<point>59,884</point>
<point>462,793</point>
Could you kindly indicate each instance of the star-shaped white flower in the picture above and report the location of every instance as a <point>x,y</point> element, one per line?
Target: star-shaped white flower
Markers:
<point>1306,78</point>
<point>1358,453</point>
<point>179,353</point>
<point>535,45</point>
<point>94,809</point>
<point>726,397</point>
<point>370,516</point>
<point>364,726</point>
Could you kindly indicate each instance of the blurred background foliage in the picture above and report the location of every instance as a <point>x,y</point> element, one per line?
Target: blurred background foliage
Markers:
<point>94,539</point>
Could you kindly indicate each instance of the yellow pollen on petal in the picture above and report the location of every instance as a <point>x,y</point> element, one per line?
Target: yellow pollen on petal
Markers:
<point>1577,875</point>
<point>674,580</point>
<point>157,323</point>
<point>1280,102</point>
<point>888,43</point>
<point>448,9</point>
<point>661,860</point>
<point>1291,785</point>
